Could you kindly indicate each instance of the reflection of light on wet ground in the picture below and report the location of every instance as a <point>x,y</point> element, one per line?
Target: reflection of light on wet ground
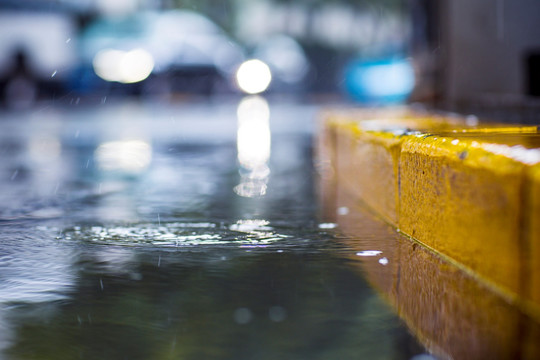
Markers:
<point>253,132</point>
<point>327,226</point>
<point>253,145</point>
<point>250,226</point>
<point>369,253</point>
<point>176,249</point>
<point>130,156</point>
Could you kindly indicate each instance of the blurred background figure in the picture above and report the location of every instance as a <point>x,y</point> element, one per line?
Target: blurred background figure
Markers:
<point>37,51</point>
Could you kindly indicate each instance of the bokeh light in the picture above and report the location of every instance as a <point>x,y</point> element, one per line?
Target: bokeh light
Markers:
<point>383,81</point>
<point>127,156</point>
<point>253,76</point>
<point>123,66</point>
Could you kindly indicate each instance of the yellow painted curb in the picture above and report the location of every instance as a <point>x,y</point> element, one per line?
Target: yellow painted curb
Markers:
<point>467,190</point>
<point>451,313</point>
<point>464,202</point>
<point>369,147</point>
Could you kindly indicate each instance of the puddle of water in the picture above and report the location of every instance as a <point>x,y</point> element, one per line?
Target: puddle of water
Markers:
<point>170,262</point>
<point>178,234</point>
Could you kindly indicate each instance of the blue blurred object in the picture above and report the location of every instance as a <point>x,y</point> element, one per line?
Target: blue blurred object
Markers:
<point>386,81</point>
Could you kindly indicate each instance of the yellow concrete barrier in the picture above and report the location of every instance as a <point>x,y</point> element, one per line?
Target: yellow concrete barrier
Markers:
<point>450,312</point>
<point>464,202</point>
<point>467,190</point>
<point>367,151</point>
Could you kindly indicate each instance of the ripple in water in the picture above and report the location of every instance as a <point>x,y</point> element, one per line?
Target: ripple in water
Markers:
<point>179,234</point>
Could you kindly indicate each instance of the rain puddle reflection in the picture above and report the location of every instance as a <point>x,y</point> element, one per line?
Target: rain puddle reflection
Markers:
<point>182,243</point>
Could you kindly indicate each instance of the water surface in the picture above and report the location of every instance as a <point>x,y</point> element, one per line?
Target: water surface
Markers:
<point>134,231</point>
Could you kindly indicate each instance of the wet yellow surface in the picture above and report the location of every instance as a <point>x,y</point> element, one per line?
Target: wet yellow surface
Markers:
<point>464,203</point>
<point>452,313</point>
<point>467,190</point>
<point>532,232</point>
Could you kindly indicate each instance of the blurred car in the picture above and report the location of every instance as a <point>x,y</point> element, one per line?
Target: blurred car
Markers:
<point>153,52</point>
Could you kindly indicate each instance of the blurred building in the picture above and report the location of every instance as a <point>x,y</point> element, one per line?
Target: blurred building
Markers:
<point>479,56</point>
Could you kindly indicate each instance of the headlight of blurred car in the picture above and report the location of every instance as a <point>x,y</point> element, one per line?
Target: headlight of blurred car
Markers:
<point>123,66</point>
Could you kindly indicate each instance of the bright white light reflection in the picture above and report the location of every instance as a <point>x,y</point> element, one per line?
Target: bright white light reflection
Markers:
<point>253,107</point>
<point>253,76</point>
<point>250,226</point>
<point>327,226</point>
<point>369,253</point>
<point>254,146</point>
<point>121,66</point>
<point>253,141</point>
<point>131,156</point>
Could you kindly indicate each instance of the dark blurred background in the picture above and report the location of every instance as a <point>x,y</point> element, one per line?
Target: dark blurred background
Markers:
<point>478,56</point>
